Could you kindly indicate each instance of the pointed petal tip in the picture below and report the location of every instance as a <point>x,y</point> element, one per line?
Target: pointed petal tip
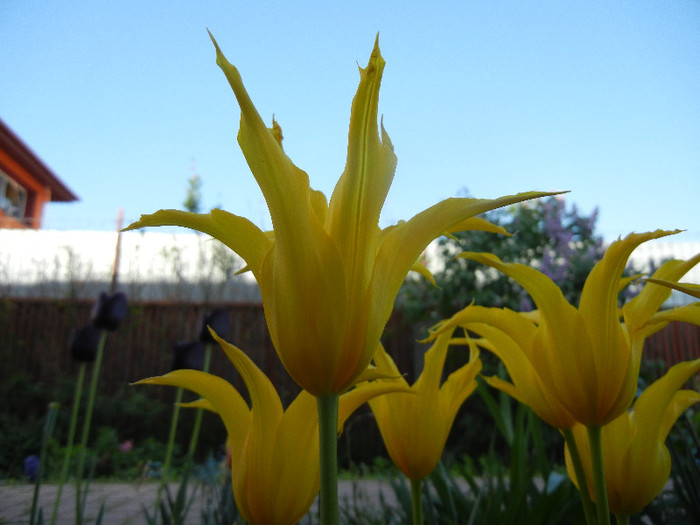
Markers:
<point>156,380</point>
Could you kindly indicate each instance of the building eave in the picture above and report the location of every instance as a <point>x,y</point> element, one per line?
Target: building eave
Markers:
<point>20,152</point>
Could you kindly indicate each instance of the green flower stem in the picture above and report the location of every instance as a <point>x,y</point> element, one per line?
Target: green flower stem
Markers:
<point>588,505</point>
<point>169,449</point>
<point>77,395</point>
<point>599,486</point>
<point>49,425</point>
<point>417,500</point>
<point>328,454</point>
<point>86,428</point>
<point>622,519</point>
<point>198,416</point>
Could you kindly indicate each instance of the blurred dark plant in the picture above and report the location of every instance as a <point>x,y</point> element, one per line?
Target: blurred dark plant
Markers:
<point>85,342</point>
<point>109,311</point>
<point>188,354</point>
<point>216,319</point>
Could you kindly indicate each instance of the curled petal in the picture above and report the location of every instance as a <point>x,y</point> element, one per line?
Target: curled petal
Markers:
<point>238,233</point>
<point>222,396</point>
<point>687,288</point>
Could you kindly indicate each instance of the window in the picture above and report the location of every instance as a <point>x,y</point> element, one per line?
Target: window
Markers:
<point>13,197</point>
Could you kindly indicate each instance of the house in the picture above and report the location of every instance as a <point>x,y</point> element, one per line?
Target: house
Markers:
<point>26,184</point>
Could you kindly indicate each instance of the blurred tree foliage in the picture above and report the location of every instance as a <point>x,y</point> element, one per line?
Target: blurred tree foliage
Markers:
<point>546,234</point>
<point>193,197</point>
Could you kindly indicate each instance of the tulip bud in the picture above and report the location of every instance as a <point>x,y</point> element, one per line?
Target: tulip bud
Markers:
<point>109,311</point>
<point>188,355</point>
<point>86,339</point>
<point>217,320</point>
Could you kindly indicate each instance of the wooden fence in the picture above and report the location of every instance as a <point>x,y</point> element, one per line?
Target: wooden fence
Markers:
<point>35,337</point>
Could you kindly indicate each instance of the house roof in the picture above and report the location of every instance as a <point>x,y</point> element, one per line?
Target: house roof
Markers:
<point>21,153</point>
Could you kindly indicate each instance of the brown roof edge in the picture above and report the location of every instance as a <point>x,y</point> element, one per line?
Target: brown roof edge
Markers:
<point>19,151</point>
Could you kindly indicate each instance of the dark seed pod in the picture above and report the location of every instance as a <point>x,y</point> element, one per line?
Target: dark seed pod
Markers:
<point>217,320</point>
<point>109,311</point>
<point>86,339</point>
<point>188,355</point>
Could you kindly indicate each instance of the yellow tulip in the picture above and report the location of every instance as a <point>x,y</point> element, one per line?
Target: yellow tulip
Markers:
<point>327,273</point>
<point>415,424</point>
<point>637,463</point>
<point>274,452</point>
<point>575,365</point>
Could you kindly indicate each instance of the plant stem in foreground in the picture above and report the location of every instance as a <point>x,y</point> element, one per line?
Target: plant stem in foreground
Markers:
<point>78,394</point>
<point>49,426</point>
<point>80,498</point>
<point>194,439</point>
<point>588,506</point>
<point>622,519</point>
<point>417,501</point>
<point>599,485</point>
<point>168,451</point>
<point>328,456</point>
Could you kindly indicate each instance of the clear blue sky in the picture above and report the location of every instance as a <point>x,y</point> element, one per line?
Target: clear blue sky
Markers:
<point>123,101</point>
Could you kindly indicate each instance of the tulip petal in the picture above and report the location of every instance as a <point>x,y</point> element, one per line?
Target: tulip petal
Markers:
<point>560,328</point>
<point>295,459</point>
<point>477,224</point>
<point>461,383</point>
<point>433,363</point>
<point>420,268</point>
<point>687,288</point>
<point>264,398</point>
<point>359,195</point>
<point>266,413</point>
<point>305,266</point>
<point>284,186</point>
<point>599,295</point>
<point>639,309</point>
<point>687,314</point>
<point>415,424</point>
<point>238,233</point>
<point>363,392</point>
<point>224,398</point>
<point>401,245</point>
<point>651,408</point>
<point>527,386</point>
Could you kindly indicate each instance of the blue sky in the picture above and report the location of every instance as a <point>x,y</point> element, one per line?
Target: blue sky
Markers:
<point>123,100</point>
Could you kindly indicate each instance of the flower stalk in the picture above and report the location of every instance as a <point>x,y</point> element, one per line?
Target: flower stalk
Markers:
<point>49,426</point>
<point>200,412</point>
<point>328,456</point>
<point>169,450</point>
<point>77,395</point>
<point>599,485</point>
<point>417,501</point>
<point>589,509</point>
<point>79,497</point>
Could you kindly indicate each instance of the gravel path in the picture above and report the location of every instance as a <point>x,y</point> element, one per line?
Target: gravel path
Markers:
<point>123,502</point>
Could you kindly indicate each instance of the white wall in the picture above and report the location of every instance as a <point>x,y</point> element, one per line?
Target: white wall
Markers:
<point>152,265</point>
<point>157,265</point>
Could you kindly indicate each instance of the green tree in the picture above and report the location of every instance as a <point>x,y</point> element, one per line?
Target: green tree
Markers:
<point>193,198</point>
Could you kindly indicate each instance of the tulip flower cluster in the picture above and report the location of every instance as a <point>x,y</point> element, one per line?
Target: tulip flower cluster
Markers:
<point>329,276</point>
<point>578,369</point>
